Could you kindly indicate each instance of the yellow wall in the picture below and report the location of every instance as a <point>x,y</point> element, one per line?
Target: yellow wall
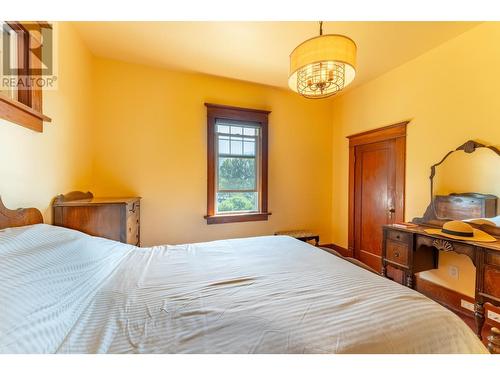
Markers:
<point>34,167</point>
<point>451,95</point>
<point>150,140</point>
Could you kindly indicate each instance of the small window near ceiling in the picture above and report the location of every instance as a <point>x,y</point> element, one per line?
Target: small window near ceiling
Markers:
<point>237,164</point>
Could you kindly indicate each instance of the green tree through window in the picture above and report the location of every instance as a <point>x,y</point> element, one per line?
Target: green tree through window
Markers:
<point>236,163</point>
<point>236,174</point>
<point>237,202</point>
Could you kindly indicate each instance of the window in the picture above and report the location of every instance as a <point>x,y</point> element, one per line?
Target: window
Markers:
<point>237,164</point>
<point>20,73</point>
<point>9,37</point>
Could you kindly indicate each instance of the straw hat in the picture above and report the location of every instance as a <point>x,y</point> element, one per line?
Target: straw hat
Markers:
<point>459,230</point>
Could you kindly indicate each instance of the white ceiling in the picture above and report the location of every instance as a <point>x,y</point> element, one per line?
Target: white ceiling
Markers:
<point>258,51</point>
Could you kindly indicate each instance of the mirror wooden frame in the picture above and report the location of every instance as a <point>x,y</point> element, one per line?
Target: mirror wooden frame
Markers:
<point>430,218</point>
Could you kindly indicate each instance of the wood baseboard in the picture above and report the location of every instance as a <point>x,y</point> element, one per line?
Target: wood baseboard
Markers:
<point>342,250</point>
<point>447,297</point>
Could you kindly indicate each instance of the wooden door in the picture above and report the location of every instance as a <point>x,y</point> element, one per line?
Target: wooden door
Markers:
<point>377,162</point>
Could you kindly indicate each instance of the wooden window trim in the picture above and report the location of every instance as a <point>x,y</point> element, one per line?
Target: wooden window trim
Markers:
<point>27,110</point>
<point>215,111</point>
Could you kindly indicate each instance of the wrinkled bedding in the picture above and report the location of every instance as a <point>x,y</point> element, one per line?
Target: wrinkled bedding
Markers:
<point>62,291</point>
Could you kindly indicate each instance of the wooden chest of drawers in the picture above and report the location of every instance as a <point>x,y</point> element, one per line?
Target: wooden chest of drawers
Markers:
<point>113,218</point>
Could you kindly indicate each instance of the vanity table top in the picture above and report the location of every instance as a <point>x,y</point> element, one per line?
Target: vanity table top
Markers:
<point>419,229</point>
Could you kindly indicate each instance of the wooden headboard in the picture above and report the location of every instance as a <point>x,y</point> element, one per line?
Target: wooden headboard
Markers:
<point>19,217</point>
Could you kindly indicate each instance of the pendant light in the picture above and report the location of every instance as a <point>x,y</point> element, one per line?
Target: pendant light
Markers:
<point>323,65</point>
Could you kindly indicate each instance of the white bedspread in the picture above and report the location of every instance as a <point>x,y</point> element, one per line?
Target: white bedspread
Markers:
<point>63,291</point>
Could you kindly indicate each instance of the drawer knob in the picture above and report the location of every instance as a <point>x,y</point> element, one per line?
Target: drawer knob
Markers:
<point>396,254</point>
<point>397,237</point>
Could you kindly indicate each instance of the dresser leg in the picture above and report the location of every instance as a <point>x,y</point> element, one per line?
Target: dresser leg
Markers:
<point>479,318</point>
<point>383,272</point>
<point>409,280</point>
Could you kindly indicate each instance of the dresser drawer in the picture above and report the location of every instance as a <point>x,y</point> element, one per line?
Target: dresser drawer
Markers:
<point>445,244</point>
<point>491,280</point>
<point>397,252</point>
<point>492,258</point>
<point>397,235</point>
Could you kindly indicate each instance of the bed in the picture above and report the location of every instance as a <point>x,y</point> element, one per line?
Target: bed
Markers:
<point>63,291</point>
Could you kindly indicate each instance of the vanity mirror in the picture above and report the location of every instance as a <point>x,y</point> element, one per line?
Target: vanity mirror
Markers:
<point>464,185</point>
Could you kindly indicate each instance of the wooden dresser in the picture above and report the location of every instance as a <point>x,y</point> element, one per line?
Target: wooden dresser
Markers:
<point>412,250</point>
<point>113,218</point>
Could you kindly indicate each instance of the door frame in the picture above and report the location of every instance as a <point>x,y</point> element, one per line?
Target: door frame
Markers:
<point>398,132</point>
